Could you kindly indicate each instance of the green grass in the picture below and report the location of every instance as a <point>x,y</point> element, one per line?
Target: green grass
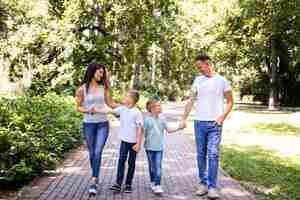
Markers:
<point>272,128</point>
<point>262,172</point>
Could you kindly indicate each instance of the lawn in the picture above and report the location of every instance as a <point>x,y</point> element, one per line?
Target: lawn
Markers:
<point>270,177</point>
<point>282,129</point>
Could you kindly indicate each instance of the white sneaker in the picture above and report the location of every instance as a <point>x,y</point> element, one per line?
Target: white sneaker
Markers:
<point>202,190</point>
<point>152,186</point>
<point>158,189</point>
<point>213,193</point>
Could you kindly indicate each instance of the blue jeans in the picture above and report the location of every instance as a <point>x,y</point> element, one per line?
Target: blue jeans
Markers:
<point>96,135</point>
<point>154,162</point>
<point>208,139</point>
<point>125,149</point>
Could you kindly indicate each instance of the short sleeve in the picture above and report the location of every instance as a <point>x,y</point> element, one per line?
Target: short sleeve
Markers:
<point>194,88</point>
<point>139,121</point>
<point>164,122</point>
<point>146,123</point>
<point>118,110</point>
<point>227,86</point>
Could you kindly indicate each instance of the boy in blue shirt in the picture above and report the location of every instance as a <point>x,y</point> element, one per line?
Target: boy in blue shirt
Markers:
<point>155,125</point>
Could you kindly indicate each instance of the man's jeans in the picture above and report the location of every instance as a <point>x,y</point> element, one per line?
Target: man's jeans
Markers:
<point>96,135</point>
<point>125,149</point>
<point>208,138</point>
<point>154,163</point>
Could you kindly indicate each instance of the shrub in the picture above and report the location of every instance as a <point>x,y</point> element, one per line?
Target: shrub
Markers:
<point>34,134</point>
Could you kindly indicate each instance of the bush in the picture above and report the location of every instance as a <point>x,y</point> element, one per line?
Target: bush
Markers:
<point>34,134</point>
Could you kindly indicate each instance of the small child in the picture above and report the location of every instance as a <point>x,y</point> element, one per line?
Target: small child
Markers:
<point>154,126</point>
<point>131,135</point>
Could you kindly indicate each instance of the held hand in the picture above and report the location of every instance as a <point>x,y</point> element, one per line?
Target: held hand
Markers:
<point>99,110</point>
<point>220,120</point>
<point>136,148</point>
<point>182,125</point>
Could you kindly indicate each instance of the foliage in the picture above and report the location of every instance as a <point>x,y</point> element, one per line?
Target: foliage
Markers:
<point>34,134</point>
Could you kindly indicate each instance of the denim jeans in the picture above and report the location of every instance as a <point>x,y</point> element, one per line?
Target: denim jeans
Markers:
<point>95,135</point>
<point>208,139</point>
<point>154,163</point>
<point>125,149</point>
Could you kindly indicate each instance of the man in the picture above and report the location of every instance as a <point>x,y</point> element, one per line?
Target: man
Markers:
<point>208,91</point>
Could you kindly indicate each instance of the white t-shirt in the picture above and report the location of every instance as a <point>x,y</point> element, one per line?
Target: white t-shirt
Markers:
<point>209,95</point>
<point>130,119</point>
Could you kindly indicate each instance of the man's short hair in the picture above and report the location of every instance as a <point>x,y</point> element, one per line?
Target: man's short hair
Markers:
<point>202,57</point>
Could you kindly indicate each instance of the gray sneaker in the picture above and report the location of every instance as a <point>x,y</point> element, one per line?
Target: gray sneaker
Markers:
<point>202,190</point>
<point>213,193</point>
<point>93,189</point>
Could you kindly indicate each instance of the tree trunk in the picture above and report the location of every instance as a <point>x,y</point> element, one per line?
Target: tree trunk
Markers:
<point>153,68</point>
<point>273,100</point>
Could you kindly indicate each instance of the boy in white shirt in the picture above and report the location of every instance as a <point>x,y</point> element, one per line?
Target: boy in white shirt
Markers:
<point>131,135</point>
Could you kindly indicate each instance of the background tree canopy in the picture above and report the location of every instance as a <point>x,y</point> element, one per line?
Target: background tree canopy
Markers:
<point>150,44</point>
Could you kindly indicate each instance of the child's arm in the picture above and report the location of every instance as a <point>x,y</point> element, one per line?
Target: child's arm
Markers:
<point>181,126</point>
<point>139,132</point>
<point>140,139</point>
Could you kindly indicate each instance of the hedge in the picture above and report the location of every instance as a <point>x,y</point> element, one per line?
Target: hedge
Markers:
<point>35,133</point>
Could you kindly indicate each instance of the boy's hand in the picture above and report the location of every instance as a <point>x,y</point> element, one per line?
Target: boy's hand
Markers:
<point>136,147</point>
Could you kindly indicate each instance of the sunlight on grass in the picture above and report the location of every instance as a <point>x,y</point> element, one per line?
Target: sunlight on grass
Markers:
<point>272,128</point>
<point>263,173</point>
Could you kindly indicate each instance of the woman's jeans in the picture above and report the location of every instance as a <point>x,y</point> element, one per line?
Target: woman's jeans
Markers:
<point>96,135</point>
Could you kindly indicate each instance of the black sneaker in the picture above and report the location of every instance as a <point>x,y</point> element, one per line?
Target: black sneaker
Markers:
<point>128,189</point>
<point>116,187</point>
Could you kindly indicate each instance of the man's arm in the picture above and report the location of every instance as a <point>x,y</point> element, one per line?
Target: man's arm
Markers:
<point>188,107</point>
<point>229,105</point>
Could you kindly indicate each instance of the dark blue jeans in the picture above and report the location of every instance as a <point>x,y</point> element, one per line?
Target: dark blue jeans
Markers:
<point>208,139</point>
<point>96,135</point>
<point>154,161</point>
<point>125,149</point>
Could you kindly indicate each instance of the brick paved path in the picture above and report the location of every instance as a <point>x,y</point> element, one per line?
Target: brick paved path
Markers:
<point>71,180</point>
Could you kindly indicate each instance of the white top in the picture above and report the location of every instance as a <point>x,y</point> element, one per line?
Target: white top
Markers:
<point>130,119</point>
<point>209,95</point>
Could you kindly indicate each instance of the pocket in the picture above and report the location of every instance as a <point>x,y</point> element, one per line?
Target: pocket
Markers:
<point>217,125</point>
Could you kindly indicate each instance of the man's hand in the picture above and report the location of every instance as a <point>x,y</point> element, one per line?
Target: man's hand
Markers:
<point>220,120</point>
<point>182,124</point>
<point>136,147</point>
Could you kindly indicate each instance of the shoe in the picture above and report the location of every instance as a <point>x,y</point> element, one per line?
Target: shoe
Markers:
<point>93,189</point>
<point>152,186</point>
<point>158,190</point>
<point>116,187</point>
<point>128,189</point>
<point>202,190</point>
<point>213,193</point>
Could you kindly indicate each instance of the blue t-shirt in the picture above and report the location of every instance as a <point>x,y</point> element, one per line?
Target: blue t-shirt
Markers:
<point>154,132</point>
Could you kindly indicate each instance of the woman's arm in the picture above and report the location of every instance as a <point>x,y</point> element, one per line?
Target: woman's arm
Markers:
<point>79,99</point>
<point>108,100</point>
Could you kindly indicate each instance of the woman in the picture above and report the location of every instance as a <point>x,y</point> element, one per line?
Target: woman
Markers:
<point>90,100</point>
